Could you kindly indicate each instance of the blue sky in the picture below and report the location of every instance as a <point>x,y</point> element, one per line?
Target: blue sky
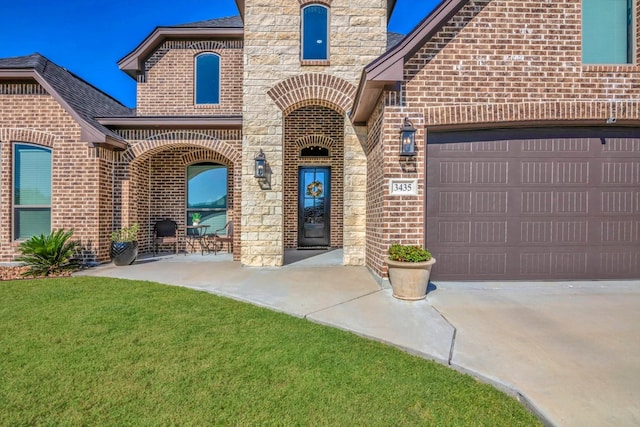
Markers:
<point>88,37</point>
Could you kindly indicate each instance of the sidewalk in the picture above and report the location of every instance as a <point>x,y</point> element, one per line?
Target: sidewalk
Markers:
<point>570,350</point>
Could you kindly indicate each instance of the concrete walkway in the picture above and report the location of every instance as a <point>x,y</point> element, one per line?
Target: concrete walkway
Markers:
<point>569,350</point>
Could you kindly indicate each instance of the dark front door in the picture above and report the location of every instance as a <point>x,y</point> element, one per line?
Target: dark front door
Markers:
<point>313,206</point>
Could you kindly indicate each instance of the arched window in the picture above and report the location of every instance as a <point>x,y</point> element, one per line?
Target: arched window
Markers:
<point>207,194</point>
<point>315,32</point>
<point>207,79</point>
<point>31,190</point>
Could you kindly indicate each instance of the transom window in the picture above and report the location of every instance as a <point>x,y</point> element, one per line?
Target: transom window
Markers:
<point>315,31</point>
<point>207,79</point>
<point>31,190</point>
<point>607,32</point>
<point>207,194</point>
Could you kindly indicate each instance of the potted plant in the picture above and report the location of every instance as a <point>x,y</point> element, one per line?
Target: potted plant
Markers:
<point>195,218</point>
<point>124,245</point>
<point>409,270</point>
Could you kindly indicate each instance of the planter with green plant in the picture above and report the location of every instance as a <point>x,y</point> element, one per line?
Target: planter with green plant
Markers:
<point>124,245</point>
<point>409,271</point>
<point>196,218</point>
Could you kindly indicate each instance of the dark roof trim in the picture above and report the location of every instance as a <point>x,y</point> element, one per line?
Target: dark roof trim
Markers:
<point>132,62</point>
<point>87,132</point>
<point>388,69</point>
<point>202,122</point>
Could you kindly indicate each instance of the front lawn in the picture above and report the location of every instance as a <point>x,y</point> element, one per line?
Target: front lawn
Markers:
<point>97,351</point>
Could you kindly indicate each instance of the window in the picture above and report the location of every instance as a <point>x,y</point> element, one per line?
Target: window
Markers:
<point>607,32</point>
<point>207,194</point>
<point>31,191</point>
<point>207,79</point>
<point>315,30</point>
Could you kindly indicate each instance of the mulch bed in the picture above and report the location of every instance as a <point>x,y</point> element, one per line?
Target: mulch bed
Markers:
<point>15,273</point>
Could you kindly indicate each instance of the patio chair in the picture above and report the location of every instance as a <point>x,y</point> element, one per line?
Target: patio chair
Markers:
<point>165,232</point>
<point>225,238</point>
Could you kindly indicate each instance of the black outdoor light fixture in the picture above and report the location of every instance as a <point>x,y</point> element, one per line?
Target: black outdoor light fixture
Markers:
<point>407,138</point>
<point>261,165</point>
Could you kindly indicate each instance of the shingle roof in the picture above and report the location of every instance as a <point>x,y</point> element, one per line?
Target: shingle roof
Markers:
<point>226,22</point>
<point>393,39</point>
<point>84,99</point>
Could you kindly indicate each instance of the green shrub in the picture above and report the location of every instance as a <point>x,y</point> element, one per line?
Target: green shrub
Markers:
<point>49,255</point>
<point>126,234</point>
<point>408,253</point>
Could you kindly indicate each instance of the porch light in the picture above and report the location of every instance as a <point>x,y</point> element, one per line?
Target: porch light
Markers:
<point>261,163</point>
<point>407,138</point>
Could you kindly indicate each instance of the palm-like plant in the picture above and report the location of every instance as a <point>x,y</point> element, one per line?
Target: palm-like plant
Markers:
<point>47,255</point>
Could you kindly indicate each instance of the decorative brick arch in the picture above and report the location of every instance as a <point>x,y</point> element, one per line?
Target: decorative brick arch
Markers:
<point>306,2</point>
<point>199,156</point>
<point>148,147</point>
<point>27,135</point>
<point>313,89</point>
<point>532,112</point>
<point>315,140</point>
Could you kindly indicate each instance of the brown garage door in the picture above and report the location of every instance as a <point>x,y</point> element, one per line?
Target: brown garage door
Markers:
<point>534,204</point>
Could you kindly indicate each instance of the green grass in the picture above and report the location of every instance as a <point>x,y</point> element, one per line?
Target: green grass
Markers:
<point>97,351</point>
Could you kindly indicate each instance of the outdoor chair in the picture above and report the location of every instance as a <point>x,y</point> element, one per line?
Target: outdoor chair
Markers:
<point>165,232</point>
<point>227,237</point>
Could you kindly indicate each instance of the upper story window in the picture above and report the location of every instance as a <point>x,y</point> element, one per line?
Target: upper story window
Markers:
<point>607,32</point>
<point>207,78</point>
<point>315,33</point>
<point>31,191</point>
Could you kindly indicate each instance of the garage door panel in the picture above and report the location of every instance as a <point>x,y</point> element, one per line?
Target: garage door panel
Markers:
<point>534,208</point>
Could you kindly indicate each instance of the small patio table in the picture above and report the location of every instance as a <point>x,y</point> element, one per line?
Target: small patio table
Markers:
<point>197,234</point>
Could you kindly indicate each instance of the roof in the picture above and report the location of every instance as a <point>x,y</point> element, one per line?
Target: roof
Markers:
<point>80,99</point>
<point>229,27</point>
<point>388,69</point>
<point>393,39</point>
<point>226,22</point>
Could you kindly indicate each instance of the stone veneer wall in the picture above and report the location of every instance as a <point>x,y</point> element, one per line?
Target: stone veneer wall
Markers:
<point>313,126</point>
<point>28,114</point>
<point>167,88</point>
<point>272,56</point>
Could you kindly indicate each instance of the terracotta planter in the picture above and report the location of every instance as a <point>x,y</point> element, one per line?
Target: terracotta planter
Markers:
<point>409,280</point>
<point>123,253</point>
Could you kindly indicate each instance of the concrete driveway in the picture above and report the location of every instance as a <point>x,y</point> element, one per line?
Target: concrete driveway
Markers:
<point>570,350</point>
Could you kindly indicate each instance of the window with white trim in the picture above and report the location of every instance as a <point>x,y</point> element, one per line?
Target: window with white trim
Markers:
<point>31,190</point>
<point>207,78</point>
<point>607,32</point>
<point>315,33</point>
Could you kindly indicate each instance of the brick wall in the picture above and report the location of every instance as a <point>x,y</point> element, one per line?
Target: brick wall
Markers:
<point>167,88</point>
<point>500,61</point>
<point>28,114</point>
<point>305,127</point>
<point>151,177</point>
<point>514,61</point>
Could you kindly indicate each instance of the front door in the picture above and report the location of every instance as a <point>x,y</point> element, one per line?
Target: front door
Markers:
<point>313,206</point>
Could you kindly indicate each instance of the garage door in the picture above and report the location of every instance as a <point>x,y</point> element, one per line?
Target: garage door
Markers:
<point>534,204</point>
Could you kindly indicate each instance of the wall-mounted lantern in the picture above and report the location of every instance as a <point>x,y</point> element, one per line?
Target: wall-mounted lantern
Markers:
<point>261,166</point>
<point>407,138</point>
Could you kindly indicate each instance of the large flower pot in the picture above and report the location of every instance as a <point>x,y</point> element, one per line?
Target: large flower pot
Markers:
<point>409,280</point>
<point>123,253</point>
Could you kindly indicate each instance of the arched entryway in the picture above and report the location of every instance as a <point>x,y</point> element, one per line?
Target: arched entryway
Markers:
<point>313,177</point>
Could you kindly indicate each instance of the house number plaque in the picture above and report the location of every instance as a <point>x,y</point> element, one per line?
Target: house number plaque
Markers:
<point>403,187</point>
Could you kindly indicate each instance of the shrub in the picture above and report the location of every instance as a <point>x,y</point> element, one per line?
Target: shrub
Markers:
<point>49,255</point>
<point>408,253</point>
<point>126,234</point>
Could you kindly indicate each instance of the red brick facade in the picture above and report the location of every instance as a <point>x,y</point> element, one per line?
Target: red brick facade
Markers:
<point>495,63</point>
